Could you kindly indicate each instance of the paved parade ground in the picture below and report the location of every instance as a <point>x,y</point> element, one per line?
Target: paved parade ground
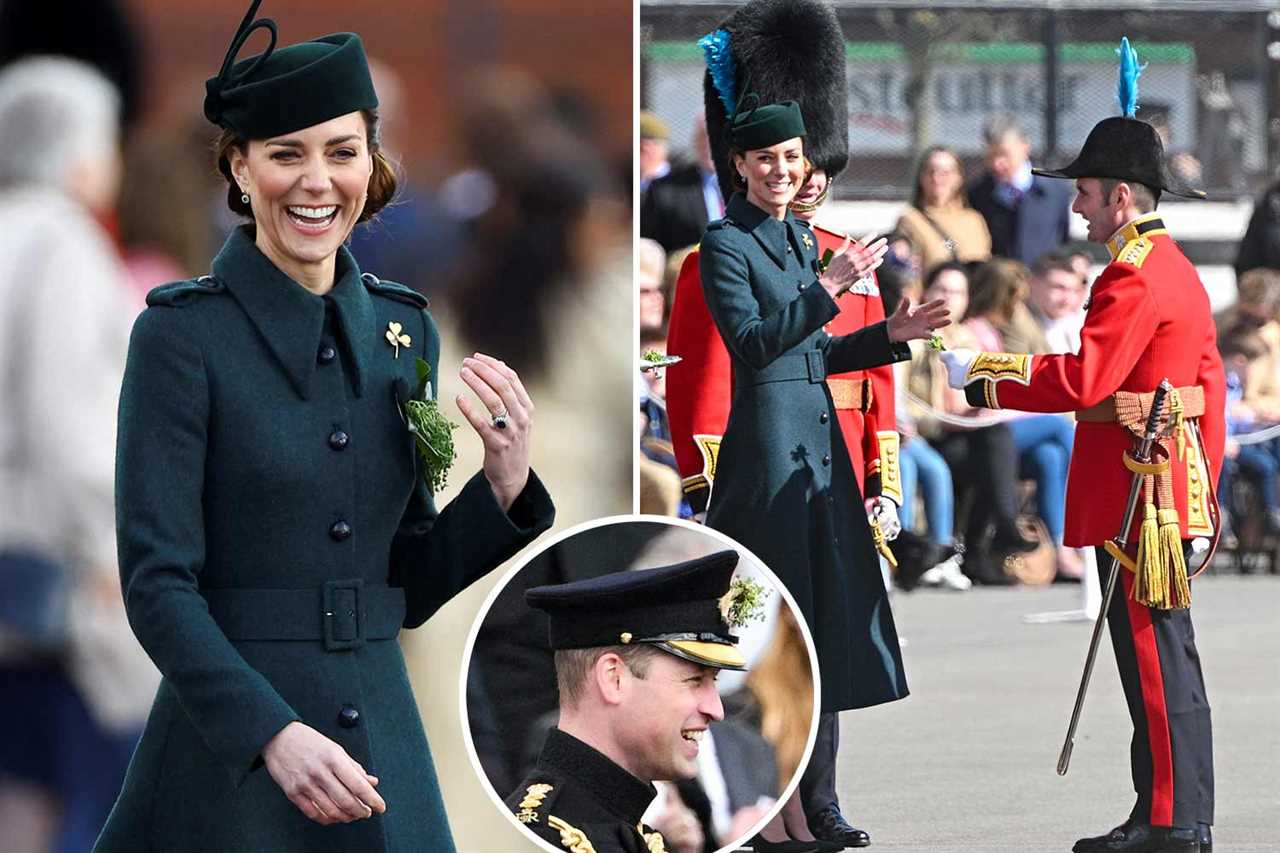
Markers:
<point>967,762</point>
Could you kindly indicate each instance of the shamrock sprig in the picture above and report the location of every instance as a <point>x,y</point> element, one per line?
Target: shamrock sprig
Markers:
<point>431,430</point>
<point>743,603</point>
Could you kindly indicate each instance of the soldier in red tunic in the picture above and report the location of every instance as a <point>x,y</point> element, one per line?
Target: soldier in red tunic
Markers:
<point>1148,320</point>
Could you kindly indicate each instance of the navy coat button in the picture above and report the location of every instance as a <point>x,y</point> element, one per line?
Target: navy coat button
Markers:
<point>348,717</point>
<point>826,459</point>
<point>326,354</point>
<point>822,418</point>
<point>339,439</point>
<point>340,531</point>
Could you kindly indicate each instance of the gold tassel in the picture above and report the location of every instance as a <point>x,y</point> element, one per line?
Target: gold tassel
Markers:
<point>882,544</point>
<point>1176,563</point>
<point>1150,583</point>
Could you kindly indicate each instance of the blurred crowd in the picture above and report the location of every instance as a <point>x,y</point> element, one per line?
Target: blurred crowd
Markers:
<point>984,491</point>
<point>745,759</point>
<point>525,252</point>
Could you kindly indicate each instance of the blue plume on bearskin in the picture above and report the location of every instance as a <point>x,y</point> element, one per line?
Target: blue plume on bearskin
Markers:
<point>716,47</point>
<point>1130,71</point>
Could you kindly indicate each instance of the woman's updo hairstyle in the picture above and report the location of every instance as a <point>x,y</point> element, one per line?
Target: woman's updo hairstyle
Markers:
<point>382,180</point>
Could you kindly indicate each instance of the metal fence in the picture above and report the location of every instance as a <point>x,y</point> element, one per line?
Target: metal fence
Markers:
<point>933,73</point>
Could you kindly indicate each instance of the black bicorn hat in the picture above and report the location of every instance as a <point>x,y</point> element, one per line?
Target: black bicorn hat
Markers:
<point>778,51</point>
<point>280,91</point>
<point>676,607</point>
<point>1123,147</point>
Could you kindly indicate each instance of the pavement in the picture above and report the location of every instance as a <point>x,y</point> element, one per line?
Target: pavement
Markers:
<point>968,761</point>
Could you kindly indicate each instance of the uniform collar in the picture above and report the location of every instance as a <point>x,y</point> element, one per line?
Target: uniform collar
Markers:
<point>772,234</point>
<point>289,317</point>
<point>613,787</point>
<point>1146,225</point>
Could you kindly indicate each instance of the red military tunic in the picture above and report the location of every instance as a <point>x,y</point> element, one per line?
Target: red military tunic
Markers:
<point>699,388</point>
<point>1148,320</point>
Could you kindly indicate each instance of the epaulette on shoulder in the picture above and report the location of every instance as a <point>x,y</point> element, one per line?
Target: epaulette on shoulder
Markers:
<point>720,224</point>
<point>837,234</point>
<point>571,838</point>
<point>391,290</point>
<point>180,292</point>
<point>536,803</point>
<point>1135,252</point>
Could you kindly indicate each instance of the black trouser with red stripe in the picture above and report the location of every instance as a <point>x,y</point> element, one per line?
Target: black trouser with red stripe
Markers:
<point>1172,749</point>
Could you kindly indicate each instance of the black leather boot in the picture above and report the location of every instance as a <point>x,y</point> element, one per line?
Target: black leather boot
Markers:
<point>1141,838</point>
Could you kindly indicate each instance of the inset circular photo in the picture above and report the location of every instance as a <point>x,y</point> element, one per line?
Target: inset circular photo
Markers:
<point>640,684</point>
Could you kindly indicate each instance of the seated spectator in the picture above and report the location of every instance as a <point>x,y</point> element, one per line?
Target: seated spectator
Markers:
<point>1258,308</point>
<point>999,319</point>
<point>1242,350</point>
<point>979,450</point>
<point>1056,301</point>
<point>652,263</point>
<point>939,223</point>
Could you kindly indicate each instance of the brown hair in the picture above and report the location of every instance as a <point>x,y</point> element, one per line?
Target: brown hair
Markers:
<point>1145,198</point>
<point>382,181</point>
<point>573,666</point>
<point>997,287</point>
<point>917,197</point>
<point>783,685</point>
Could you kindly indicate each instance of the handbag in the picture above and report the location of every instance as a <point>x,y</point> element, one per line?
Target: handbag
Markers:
<point>1038,567</point>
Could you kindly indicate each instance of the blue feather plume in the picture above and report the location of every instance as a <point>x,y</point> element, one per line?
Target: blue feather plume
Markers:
<point>720,63</point>
<point>1130,71</point>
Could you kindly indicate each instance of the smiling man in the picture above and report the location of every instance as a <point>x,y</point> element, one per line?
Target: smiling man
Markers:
<point>636,657</point>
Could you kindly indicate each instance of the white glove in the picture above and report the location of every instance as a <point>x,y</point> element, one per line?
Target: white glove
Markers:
<point>884,511</point>
<point>957,362</point>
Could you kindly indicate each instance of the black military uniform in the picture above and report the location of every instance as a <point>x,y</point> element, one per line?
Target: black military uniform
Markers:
<point>576,797</point>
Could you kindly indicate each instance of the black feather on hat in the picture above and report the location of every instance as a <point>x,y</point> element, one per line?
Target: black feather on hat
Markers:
<point>785,50</point>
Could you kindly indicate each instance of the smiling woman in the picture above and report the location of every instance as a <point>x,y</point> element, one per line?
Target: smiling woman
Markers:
<point>276,530</point>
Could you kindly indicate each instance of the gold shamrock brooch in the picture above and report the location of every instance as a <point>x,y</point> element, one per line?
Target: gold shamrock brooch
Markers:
<point>395,338</point>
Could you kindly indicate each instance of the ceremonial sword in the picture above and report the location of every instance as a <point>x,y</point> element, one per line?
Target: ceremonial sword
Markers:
<point>1143,455</point>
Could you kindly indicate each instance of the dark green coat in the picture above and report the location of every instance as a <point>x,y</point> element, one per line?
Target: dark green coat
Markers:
<point>273,539</point>
<point>784,484</point>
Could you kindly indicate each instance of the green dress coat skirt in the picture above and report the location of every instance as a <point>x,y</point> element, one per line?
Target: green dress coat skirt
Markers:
<point>784,484</point>
<point>274,538</point>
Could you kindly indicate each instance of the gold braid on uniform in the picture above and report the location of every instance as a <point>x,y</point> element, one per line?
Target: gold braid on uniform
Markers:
<point>533,797</point>
<point>573,839</point>
<point>652,839</point>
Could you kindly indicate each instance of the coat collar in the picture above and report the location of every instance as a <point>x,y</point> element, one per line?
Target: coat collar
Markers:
<point>772,234</point>
<point>290,318</point>
<point>1147,225</point>
<point>612,786</point>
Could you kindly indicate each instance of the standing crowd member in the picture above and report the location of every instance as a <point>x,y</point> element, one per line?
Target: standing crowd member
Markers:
<point>676,207</point>
<point>808,67</point>
<point>1027,214</point>
<point>276,527</point>
<point>939,222</point>
<point>1149,321</point>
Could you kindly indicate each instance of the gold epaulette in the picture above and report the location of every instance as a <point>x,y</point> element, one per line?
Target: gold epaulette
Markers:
<point>533,797</point>
<point>652,838</point>
<point>1135,252</point>
<point>573,839</point>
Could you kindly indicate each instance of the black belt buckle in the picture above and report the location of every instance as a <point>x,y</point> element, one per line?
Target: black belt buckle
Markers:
<point>342,614</point>
<point>816,361</point>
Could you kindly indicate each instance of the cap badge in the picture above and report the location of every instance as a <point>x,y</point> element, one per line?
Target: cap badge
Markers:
<point>626,637</point>
<point>395,338</point>
<point>807,240</point>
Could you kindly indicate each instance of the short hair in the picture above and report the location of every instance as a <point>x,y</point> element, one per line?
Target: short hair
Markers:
<point>1051,261</point>
<point>998,127</point>
<point>997,287</point>
<point>1261,287</point>
<point>936,271</point>
<point>382,180</point>
<point>651,257</point>
<point>1242,340</point>
<point>53,111</point>
<point>1145,198</point>
<point>573,666</point>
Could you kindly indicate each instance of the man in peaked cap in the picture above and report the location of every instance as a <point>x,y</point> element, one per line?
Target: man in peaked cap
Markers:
<point>788,50</point>
<point>636,656</point>
<point>1148,319</point>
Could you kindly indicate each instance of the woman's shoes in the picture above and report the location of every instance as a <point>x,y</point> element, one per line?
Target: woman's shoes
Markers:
<point>760,845</point>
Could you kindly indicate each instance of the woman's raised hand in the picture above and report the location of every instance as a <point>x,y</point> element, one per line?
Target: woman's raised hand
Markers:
<point>910,322</point>
<point>853,261</point>
<point>503,425</point>
<point>318,776</point>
